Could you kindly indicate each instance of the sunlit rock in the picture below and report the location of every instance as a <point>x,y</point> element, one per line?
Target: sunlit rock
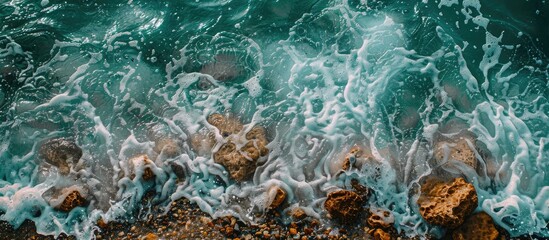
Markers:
<point>477,226</point>
<point>61,153</point>
<point>447,204</point>
<point>344,206</point>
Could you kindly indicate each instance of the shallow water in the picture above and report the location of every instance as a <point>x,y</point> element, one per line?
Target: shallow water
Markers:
<point>320,76</point>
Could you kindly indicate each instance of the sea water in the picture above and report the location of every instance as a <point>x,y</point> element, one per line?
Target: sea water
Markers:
<point>321,76</point>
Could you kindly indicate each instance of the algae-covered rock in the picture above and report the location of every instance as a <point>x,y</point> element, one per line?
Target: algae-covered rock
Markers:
<point>477,226</point>
<point>344,206</point>
<point>458,150</point>
<point>61,153</point>
<point>447,204</point>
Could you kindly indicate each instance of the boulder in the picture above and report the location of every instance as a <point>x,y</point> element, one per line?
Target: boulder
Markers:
<point>61,153</point>
<point>447,204</point>
<point>344,206</point>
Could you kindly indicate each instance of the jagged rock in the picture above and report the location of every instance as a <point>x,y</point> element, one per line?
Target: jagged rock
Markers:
<point>457,150</point>
<point>240,163</point>
<point>344,206</point>
<point>477,226</point>
<point>380,219</point>
<point>141,161</point>
<point>447,204</point>
<point>279,197</point>
<point>61,153</point>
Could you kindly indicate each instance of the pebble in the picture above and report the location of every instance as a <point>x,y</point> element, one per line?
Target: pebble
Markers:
<point>121,234</point>
<point>293,231</point>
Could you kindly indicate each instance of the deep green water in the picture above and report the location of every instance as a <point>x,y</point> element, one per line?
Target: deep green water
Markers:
<point>321,76</point>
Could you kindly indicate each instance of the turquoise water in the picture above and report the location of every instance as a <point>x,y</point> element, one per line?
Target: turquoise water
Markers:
<point>320,76</point>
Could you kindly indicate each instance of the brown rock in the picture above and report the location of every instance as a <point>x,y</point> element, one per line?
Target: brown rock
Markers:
<point>238,166</point>
<point>71,201</point>
<point>240,163</point>
<point>379,234</point>
<point>380,219</point>
<point>447,204</point>
<point>457,150</point>
<point>61,153</point>
<point>478,226</point>
<point>226,125</point>
<point>279,198</point>
<point>142,161</point>
<point>150,236</point>
<point>298,213</point>
<point>293,231</point>
<point>344,206</point>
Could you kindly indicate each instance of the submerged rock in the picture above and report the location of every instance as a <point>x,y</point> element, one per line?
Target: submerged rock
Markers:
<point>223,68</point>
<point>447,204</point>
<point>61,153</point>
<point>477,226</point>
<point>239,166</point>
<point>458,150</point>
<point>227,125</point>
<point>356,157</point>
<point>344,206</point>
<point>169,146</point>
<point>239,162</point>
